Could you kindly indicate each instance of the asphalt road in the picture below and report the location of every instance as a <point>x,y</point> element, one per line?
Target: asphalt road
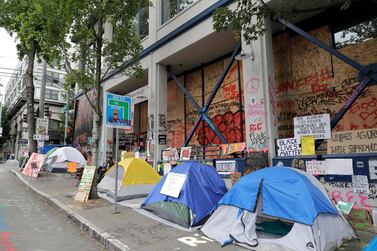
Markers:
<point>28,223</point>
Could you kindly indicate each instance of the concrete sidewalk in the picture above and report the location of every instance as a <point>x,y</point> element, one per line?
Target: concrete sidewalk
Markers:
<point>127,230</point>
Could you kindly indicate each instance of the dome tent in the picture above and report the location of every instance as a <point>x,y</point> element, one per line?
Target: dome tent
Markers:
<point>198,198</point>
<point>59,159</point>
<point>280,195</point>
<point>136,178</point>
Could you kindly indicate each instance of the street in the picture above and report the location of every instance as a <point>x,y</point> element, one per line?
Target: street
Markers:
<point>28,223</point>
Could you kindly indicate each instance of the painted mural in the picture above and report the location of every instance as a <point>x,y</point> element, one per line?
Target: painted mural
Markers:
<point>83,125</point>
<point>226,110</point>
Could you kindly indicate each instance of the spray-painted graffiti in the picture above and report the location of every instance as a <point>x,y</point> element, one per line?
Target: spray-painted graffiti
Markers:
<point>229,125</point>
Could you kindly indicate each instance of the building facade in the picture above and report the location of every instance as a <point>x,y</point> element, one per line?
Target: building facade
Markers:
<point>15,102</point>
<point>190,72</point>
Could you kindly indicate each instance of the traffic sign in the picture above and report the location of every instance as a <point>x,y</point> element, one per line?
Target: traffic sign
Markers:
<point>118,111</point>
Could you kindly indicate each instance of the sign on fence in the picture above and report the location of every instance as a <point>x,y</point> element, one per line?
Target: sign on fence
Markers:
<point>316,125</point>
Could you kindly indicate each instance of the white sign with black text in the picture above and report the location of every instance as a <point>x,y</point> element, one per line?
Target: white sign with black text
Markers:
<point>360,184</point>
<point>288,147</point>
<point>173,184</point>
<point>316,125</point>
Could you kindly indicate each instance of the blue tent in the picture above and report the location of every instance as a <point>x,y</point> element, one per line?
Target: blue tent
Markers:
<point>278,208</point>
<point>286,194</point>
<point>202,190</point>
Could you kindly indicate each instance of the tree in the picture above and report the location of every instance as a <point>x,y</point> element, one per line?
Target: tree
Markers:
<point>248,17</point>
<point>38,27</point>
<point>99,57</point>
<point>5,124</point>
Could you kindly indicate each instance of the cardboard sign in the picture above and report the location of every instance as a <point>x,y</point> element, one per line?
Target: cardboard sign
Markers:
<point>360,184</point>
<point>288,147</point>
<point>339,166</point>
<point>185,153</point>
<point>356,141</point>
<point>316,125</point>
<point>316,167</point>
<point>86,183</point>
<point>34,165</point>
<point>307,145</point>
<point>173,184</point>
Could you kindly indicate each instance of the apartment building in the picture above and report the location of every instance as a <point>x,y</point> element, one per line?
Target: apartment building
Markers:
<point>15,102</point>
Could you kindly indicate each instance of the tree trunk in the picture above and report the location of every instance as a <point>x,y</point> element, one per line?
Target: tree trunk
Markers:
<point>97,116</point>
<point>30,99</point>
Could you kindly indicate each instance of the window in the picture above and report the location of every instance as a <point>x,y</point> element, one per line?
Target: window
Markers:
<point>52,94</point>
<point>356,34</point>
<point>54,79</point>
<point>142,22</point>
<point>170,8</point>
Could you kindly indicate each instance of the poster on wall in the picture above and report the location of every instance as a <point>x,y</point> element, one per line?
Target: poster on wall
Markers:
<point>288,147</point>
<point>316,167</point>
<point>339,166</point>
<point>316,125</point>
<point>185,153</point>
<point>360,184</point>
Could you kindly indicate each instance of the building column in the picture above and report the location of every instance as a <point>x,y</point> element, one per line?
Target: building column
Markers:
<point>259,94</point>
<point>157,110</point>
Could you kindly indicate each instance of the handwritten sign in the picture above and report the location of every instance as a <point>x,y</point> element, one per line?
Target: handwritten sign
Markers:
<point>360,184</point>
<point>288,147</point>
<point>339,166</point>
<point>85,183</point>
<point>34,165</point>
<point>356,141</point>
<point>316,125</point>
<point>307,145</point>
<point>173,184</point>
<point>316,167</point>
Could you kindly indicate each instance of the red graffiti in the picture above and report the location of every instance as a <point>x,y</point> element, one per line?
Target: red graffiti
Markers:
<point>314,80</point>
<point>256,127</point>
<point>228,124</point>
<point>231,91</point>
<point>361,201</point>
<point>5,243</point>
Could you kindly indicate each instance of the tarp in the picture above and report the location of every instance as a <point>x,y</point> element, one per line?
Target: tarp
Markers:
<point>286,194</point>
<point>202,190</point>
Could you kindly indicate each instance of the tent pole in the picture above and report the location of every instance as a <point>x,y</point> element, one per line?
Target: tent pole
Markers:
<point>116,171</point>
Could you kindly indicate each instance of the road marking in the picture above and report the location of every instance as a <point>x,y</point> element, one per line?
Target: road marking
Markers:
<point>194,241</point>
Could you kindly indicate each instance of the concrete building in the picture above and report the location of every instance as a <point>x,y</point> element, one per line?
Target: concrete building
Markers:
<point>15,102</point>
<point>287,75</point>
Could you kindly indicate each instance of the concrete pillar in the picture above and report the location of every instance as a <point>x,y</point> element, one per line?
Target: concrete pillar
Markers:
<point>260,98</point>
<point>157,110</point>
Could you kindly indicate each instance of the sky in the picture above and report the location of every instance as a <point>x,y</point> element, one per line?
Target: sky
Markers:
<point>8,58</point>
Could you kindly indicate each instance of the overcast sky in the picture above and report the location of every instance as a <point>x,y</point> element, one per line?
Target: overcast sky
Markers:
<point>8,58</point>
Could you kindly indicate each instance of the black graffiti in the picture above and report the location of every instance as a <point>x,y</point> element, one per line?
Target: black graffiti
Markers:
<point>258,138</point>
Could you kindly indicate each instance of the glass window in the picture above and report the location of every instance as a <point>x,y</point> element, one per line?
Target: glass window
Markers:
<point>142,22</point>
<point>170,8</point>
<point>356,34</point>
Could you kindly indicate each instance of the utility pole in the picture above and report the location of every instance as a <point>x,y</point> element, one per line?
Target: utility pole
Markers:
<point>43,90</point>
<point>66,119</point>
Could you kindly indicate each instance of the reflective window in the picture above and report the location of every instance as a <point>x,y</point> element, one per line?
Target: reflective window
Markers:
<point>142,22</point>
<point>170,8</point>
<point>356,34</point>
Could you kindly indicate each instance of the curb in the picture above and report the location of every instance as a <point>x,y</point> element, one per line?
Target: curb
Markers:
<point>105,239</point>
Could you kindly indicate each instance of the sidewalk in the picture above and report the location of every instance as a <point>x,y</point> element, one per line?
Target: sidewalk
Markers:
<point>127,230</point>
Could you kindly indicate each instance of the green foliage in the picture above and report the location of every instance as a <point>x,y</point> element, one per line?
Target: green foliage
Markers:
<point>5,124</point>
<point>249,15</point>
<point>42,22</point>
